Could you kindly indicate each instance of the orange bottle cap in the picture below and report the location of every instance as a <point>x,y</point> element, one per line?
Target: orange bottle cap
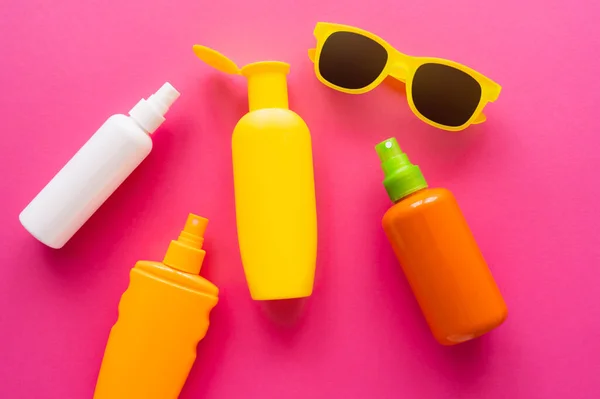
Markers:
<point>186,253</point>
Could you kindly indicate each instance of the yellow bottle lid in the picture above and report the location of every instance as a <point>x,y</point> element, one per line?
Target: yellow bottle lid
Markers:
<point>267,82</point>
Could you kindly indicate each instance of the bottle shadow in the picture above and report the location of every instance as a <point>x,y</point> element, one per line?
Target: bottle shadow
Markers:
<point>228,98</point>
<point>283,319</point>
<point>284,312</point>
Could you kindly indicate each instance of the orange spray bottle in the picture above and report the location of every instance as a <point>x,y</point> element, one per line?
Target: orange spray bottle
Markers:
<point>162,317</point>
<point>436,249</point>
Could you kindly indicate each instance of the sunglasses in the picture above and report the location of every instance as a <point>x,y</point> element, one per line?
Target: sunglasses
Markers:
<point>442,93</point>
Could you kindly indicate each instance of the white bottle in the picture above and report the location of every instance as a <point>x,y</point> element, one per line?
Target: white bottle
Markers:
<point>96,170</point>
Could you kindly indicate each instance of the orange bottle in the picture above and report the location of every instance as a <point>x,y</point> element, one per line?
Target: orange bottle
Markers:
<point>436,249</point>
<point>162,317</point>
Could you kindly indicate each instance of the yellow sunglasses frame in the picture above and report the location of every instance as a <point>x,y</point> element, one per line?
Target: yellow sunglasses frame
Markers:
<point>403,67</point>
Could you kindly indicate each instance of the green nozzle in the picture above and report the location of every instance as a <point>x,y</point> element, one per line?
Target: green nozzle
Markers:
<point>401,177</point>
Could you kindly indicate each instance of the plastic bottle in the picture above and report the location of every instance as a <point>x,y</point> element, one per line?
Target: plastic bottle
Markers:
<point>95,171</point>
<point>436,249</point>
<point>274,184</point>
<point>162,317</point>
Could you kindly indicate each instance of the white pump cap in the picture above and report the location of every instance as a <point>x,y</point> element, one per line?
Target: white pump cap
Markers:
<point>150,113</point>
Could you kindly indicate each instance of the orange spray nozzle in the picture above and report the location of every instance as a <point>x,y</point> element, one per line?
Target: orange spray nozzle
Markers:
<point>186,253</point>
<point>193,231</point>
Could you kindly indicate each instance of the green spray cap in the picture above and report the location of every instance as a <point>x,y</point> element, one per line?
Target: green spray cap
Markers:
<point>401,176</point>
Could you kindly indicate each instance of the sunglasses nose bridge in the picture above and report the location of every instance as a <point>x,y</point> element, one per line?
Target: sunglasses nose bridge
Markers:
<point>398,71</point>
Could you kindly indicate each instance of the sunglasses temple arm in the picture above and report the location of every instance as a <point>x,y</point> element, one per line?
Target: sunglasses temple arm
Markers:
<point>311,54</point>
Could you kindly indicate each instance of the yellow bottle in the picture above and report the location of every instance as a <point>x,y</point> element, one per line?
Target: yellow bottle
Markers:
<point>162,317</point>
<point>274,184</point>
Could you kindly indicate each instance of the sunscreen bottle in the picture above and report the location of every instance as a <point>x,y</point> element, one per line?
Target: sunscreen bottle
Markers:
<point>96,171</point>
<point>274,184</point>
<point>162,317</point>
<point>436,249</point>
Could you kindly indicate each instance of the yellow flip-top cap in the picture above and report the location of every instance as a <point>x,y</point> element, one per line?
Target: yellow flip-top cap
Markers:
<point>267,80</point>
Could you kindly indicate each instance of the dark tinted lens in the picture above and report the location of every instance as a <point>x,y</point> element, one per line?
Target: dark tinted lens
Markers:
<point>445,94</point>
<point>351,61</point>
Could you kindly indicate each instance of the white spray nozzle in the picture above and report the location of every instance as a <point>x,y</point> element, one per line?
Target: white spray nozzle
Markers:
<point>164,98</point>
<point>150,113</point>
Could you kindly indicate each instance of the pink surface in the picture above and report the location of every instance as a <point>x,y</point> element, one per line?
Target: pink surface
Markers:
<point>527,180</point>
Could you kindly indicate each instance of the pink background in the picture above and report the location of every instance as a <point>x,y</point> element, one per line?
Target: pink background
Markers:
<point>527,181</point>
